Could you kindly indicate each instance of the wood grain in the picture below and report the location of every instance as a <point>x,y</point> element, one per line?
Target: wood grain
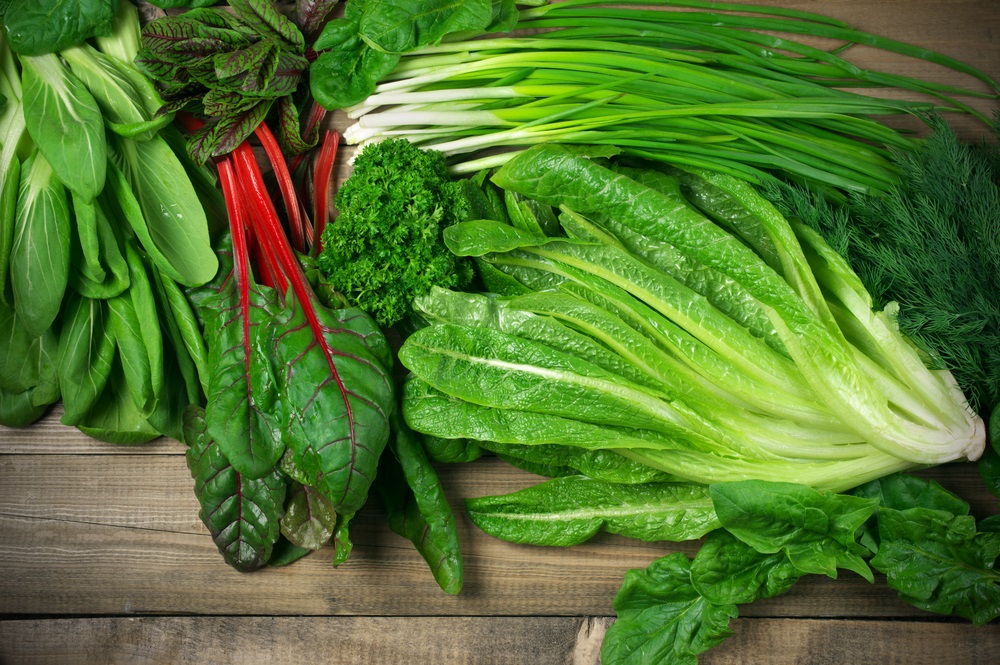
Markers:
<point>106,561</point>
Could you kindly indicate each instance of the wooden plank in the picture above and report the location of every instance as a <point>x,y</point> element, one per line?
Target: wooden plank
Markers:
<point>469,641</point>
<point>95,534</point>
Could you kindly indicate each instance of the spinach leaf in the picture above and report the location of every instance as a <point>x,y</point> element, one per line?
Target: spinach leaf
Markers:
<point>36,27</point>
<point>662,618</point>
<point>348,68</point>
<point>939,562</point>
<point>39,253</point>
<point>243,514</point>
<point>727,570</point>
<point>568,511</point>
<point>816,530</point>
<point>395,27</point>
<point>66,123</point>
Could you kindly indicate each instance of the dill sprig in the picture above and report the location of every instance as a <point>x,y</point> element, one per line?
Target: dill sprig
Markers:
<point>931,244</point>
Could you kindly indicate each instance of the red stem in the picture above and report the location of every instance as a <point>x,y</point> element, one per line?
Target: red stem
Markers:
<point>316,115</point>
<point>296,223</point>
<point>321,186</point>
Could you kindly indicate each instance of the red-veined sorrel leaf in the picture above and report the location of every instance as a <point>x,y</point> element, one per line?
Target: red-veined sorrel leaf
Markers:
<point>310,15</point>
<point>242,514</point>
<point>257,63</point>
<point>266,19</point>
<point>221,135</point>
<point>336,399</point>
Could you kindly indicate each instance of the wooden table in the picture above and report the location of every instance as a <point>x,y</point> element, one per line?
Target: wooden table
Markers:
<point>104,559</point>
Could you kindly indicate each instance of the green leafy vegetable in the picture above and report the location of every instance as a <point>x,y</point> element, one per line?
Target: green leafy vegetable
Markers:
<point>38,27</point>
<point>568,511</point>
<point>397,196</point>
<point>662,618</point>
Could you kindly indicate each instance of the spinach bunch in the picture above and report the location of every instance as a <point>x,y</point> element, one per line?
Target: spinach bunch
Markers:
<point>912,530</point>
<point>101,229</point>
<point>234,68</point>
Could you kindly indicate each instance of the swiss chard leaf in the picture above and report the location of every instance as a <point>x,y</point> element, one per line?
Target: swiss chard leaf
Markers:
<point>222,134</point>
<point>568,511</point>
<point>36,27</point>
<point>662,618</point>
<point>816,530</point>
<point>334,406</point>
<point>241,393</point>
<point>309,520</point>
<point>939,562</point>
<point>242,514</point>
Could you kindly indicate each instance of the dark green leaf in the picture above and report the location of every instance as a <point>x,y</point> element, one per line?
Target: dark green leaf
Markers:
<point>293,141</point>
<point>242,395</point>
<point>342,544</point>
<point>417,508</point>
<point>35,27</point>
<point>310,15</point>
<point>396,27</point>
<point>816,530</point>
<point>347,71</point>
<point>114,417</point>
<point>451,451</point>
<point>251,67</point>
<point>265,18</point>
<point>285,553</point>
<point>242,514</point>
<point>727,570</point>
<point>940,563</point>
<point>19,409</point>
<point>309,520</point>
<point>221,136</point>
<point>662,618</point>
<point>334,409</point>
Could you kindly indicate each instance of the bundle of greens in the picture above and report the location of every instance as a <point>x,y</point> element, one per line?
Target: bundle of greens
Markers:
<point>700,86</point>
<point>653,338</point>
<point>233,68</point>
<point>102,225</point>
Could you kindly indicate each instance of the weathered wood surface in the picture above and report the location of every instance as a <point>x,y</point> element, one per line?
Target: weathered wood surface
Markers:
<point>104,559</point>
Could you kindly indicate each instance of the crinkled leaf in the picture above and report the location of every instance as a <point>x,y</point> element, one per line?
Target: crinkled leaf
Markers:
<point>816,530</point>
<point>251,67</point>
<point>222,135</point>
<point>902,491</point>
<point>265,18</point>
<point>727,570</point>
<point>451,451</point>
<point>39,253</point>
<point>662,618</point>
<point>65,122</point>
<point>310,15</point>
<point>417,508</point>
<point>184,39</point>
<point>241,391</point>
<point>35,27</point>
<point>939,562</point>
<point>86,354</point>
<point>568,511</point>
<point>335,399</point>
<point>309,520</point>
<point>242,514</point>
<point>293,141</point>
